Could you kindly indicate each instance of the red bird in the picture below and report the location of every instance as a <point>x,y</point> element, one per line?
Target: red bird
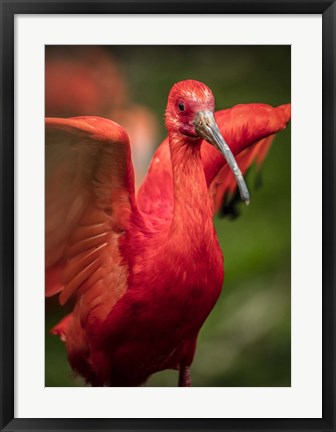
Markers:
<point>145,271</point>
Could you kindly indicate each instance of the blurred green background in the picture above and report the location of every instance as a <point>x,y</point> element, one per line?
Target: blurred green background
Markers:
<point>246,339</point>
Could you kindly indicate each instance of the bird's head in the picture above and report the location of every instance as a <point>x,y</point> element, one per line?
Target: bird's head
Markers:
<point>190,113</point>
<point>185,101</point>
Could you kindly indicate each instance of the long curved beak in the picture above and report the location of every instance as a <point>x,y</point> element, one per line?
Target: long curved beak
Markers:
<point>206,127</point>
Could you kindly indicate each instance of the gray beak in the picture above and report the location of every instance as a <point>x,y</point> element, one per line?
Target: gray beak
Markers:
<point>206,127</point>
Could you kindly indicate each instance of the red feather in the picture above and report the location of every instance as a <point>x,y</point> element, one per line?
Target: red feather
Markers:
<point>145,271</point>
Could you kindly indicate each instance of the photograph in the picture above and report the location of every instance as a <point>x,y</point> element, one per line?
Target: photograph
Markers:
<point>168,215</point>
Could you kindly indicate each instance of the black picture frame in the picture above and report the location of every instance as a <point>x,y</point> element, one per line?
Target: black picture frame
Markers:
<point>8,11</point>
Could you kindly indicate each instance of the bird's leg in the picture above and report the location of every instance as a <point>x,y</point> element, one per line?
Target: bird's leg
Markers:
<point>184,377</point>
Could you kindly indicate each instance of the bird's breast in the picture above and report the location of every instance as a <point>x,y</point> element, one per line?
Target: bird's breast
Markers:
<point>186,283</point>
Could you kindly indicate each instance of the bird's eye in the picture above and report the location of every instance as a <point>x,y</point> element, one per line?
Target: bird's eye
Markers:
<point>181,106</point>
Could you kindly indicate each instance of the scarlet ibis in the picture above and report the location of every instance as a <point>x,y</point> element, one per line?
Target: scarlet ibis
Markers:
<point>144,271</point>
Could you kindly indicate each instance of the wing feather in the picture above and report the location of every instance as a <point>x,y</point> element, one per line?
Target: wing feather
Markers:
<point>89,200</point>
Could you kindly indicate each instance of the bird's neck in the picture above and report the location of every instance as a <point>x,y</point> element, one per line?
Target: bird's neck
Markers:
<point>192,209</point>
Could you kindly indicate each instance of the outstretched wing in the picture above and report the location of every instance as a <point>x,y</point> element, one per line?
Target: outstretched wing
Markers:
<point>248,129</point>
<point>89,199</point>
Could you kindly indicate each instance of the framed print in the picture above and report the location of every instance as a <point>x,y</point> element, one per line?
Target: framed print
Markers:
<point>92,200</point>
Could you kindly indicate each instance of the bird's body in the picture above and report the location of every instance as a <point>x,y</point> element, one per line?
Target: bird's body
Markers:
<point>145,270</point>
